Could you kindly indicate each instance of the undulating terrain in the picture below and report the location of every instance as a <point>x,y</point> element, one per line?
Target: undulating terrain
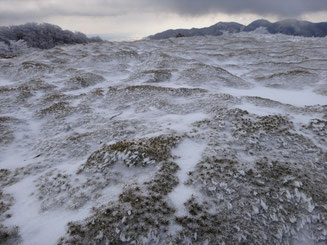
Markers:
<point>202,140</point>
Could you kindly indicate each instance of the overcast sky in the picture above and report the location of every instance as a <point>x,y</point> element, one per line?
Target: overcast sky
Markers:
<point>139,18</point>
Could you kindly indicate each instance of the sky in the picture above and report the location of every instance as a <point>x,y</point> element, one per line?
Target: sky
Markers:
<point>133,19</point>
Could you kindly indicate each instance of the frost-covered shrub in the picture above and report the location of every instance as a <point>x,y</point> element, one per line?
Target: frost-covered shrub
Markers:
<point>15,39</point>
<point>13,47</point>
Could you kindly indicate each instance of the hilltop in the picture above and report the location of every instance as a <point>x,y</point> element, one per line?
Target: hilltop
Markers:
<point>287,27</point>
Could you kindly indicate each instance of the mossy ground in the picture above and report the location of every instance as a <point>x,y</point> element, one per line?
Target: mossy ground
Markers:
<point>93,127</point>
<point>140,209</point>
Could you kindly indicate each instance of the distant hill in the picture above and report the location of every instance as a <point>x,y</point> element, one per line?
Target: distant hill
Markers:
<point>43,36</point>
<point>299,28</point>
<point>214,30</point>
<point>287,27</point>
<point>257,24</point>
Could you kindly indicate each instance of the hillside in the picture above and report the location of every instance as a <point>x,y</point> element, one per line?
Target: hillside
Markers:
<point>198,140</point>
<point>287,27</point>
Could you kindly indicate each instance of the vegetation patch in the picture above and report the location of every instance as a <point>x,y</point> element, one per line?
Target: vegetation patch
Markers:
<point>318,128</point>
<point>141,213</point>
<point>36,85</point>
<point>36,66</point>
<point>56,109</point>
<point>84,80</point>
<point>288,73</point>
<point>9,235</point>
<point>272,124</point>
<point>138,153</point>
<point>244,202</point>
<point>7,133</point>
<point>172,91</point>
<point>134,219</point>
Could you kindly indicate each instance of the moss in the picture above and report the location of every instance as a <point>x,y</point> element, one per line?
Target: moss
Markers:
<point>98,92</point>
<point>177,91</point>
<point>288,73</point>
<point>138,211</point>
<point>131,219</point>
<point>5,89</point>
<point>318,128</point>
<point>133,153</point>
<point>8,56</point>
<point>7,177</point>
<point>4,119</point>
<point>78,137</point>
<point>153,75</point>
<point>165,179</point>
<point>34,65</point>
<point>9,235</point>
<point>266,196</point>
<point>206,226</point>
<point>7,135</point>
<point>35,85</point>
<point>57,109</point>
<point>6,201</point>
<point>4,173</point>
<point>158,75</point>
<point>272,124</point>
<point>54,97</point>
<point>84,80</point>
<point>283,174</point>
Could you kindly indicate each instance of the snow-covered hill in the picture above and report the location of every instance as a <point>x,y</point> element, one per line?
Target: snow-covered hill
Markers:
<point>287,27</point>
<point>203,140</point>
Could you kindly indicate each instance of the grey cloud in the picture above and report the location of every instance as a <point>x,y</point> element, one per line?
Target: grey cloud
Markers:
<point>13,11</point>
<point>277,7</point>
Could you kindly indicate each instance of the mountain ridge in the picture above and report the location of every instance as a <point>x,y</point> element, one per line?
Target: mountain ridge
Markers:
<point>288,27</point>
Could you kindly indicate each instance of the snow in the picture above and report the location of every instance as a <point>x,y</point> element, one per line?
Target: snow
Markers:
<point>293,97</point>
<point>38,228</point>
<point>61,142</point>
<point>189,153</point>
<point>4,82</point>
<point>259,110</point>
<point>14,158</point>
<point>180,123</point>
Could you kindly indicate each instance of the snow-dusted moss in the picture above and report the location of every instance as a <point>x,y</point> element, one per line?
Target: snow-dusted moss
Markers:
<point>169,91</point>
<point>141,211</point>
<point>130,220</point>
<point>7,129</point>
<point>253,170</point>
<point>318,128</point>
<point>9,235</point>
<point>83,80</point>
<point>244,202</point>
<point>59,109</point>
<point>141,152</point>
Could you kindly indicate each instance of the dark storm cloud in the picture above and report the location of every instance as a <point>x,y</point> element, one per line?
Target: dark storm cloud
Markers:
<point>283,8</point>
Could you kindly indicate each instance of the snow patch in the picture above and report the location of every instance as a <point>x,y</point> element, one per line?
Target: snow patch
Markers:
<point>38,228</point>
<point>189,153</point>
<point>5,82</point>
<point>292,97</point>
<point>259,110</point>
